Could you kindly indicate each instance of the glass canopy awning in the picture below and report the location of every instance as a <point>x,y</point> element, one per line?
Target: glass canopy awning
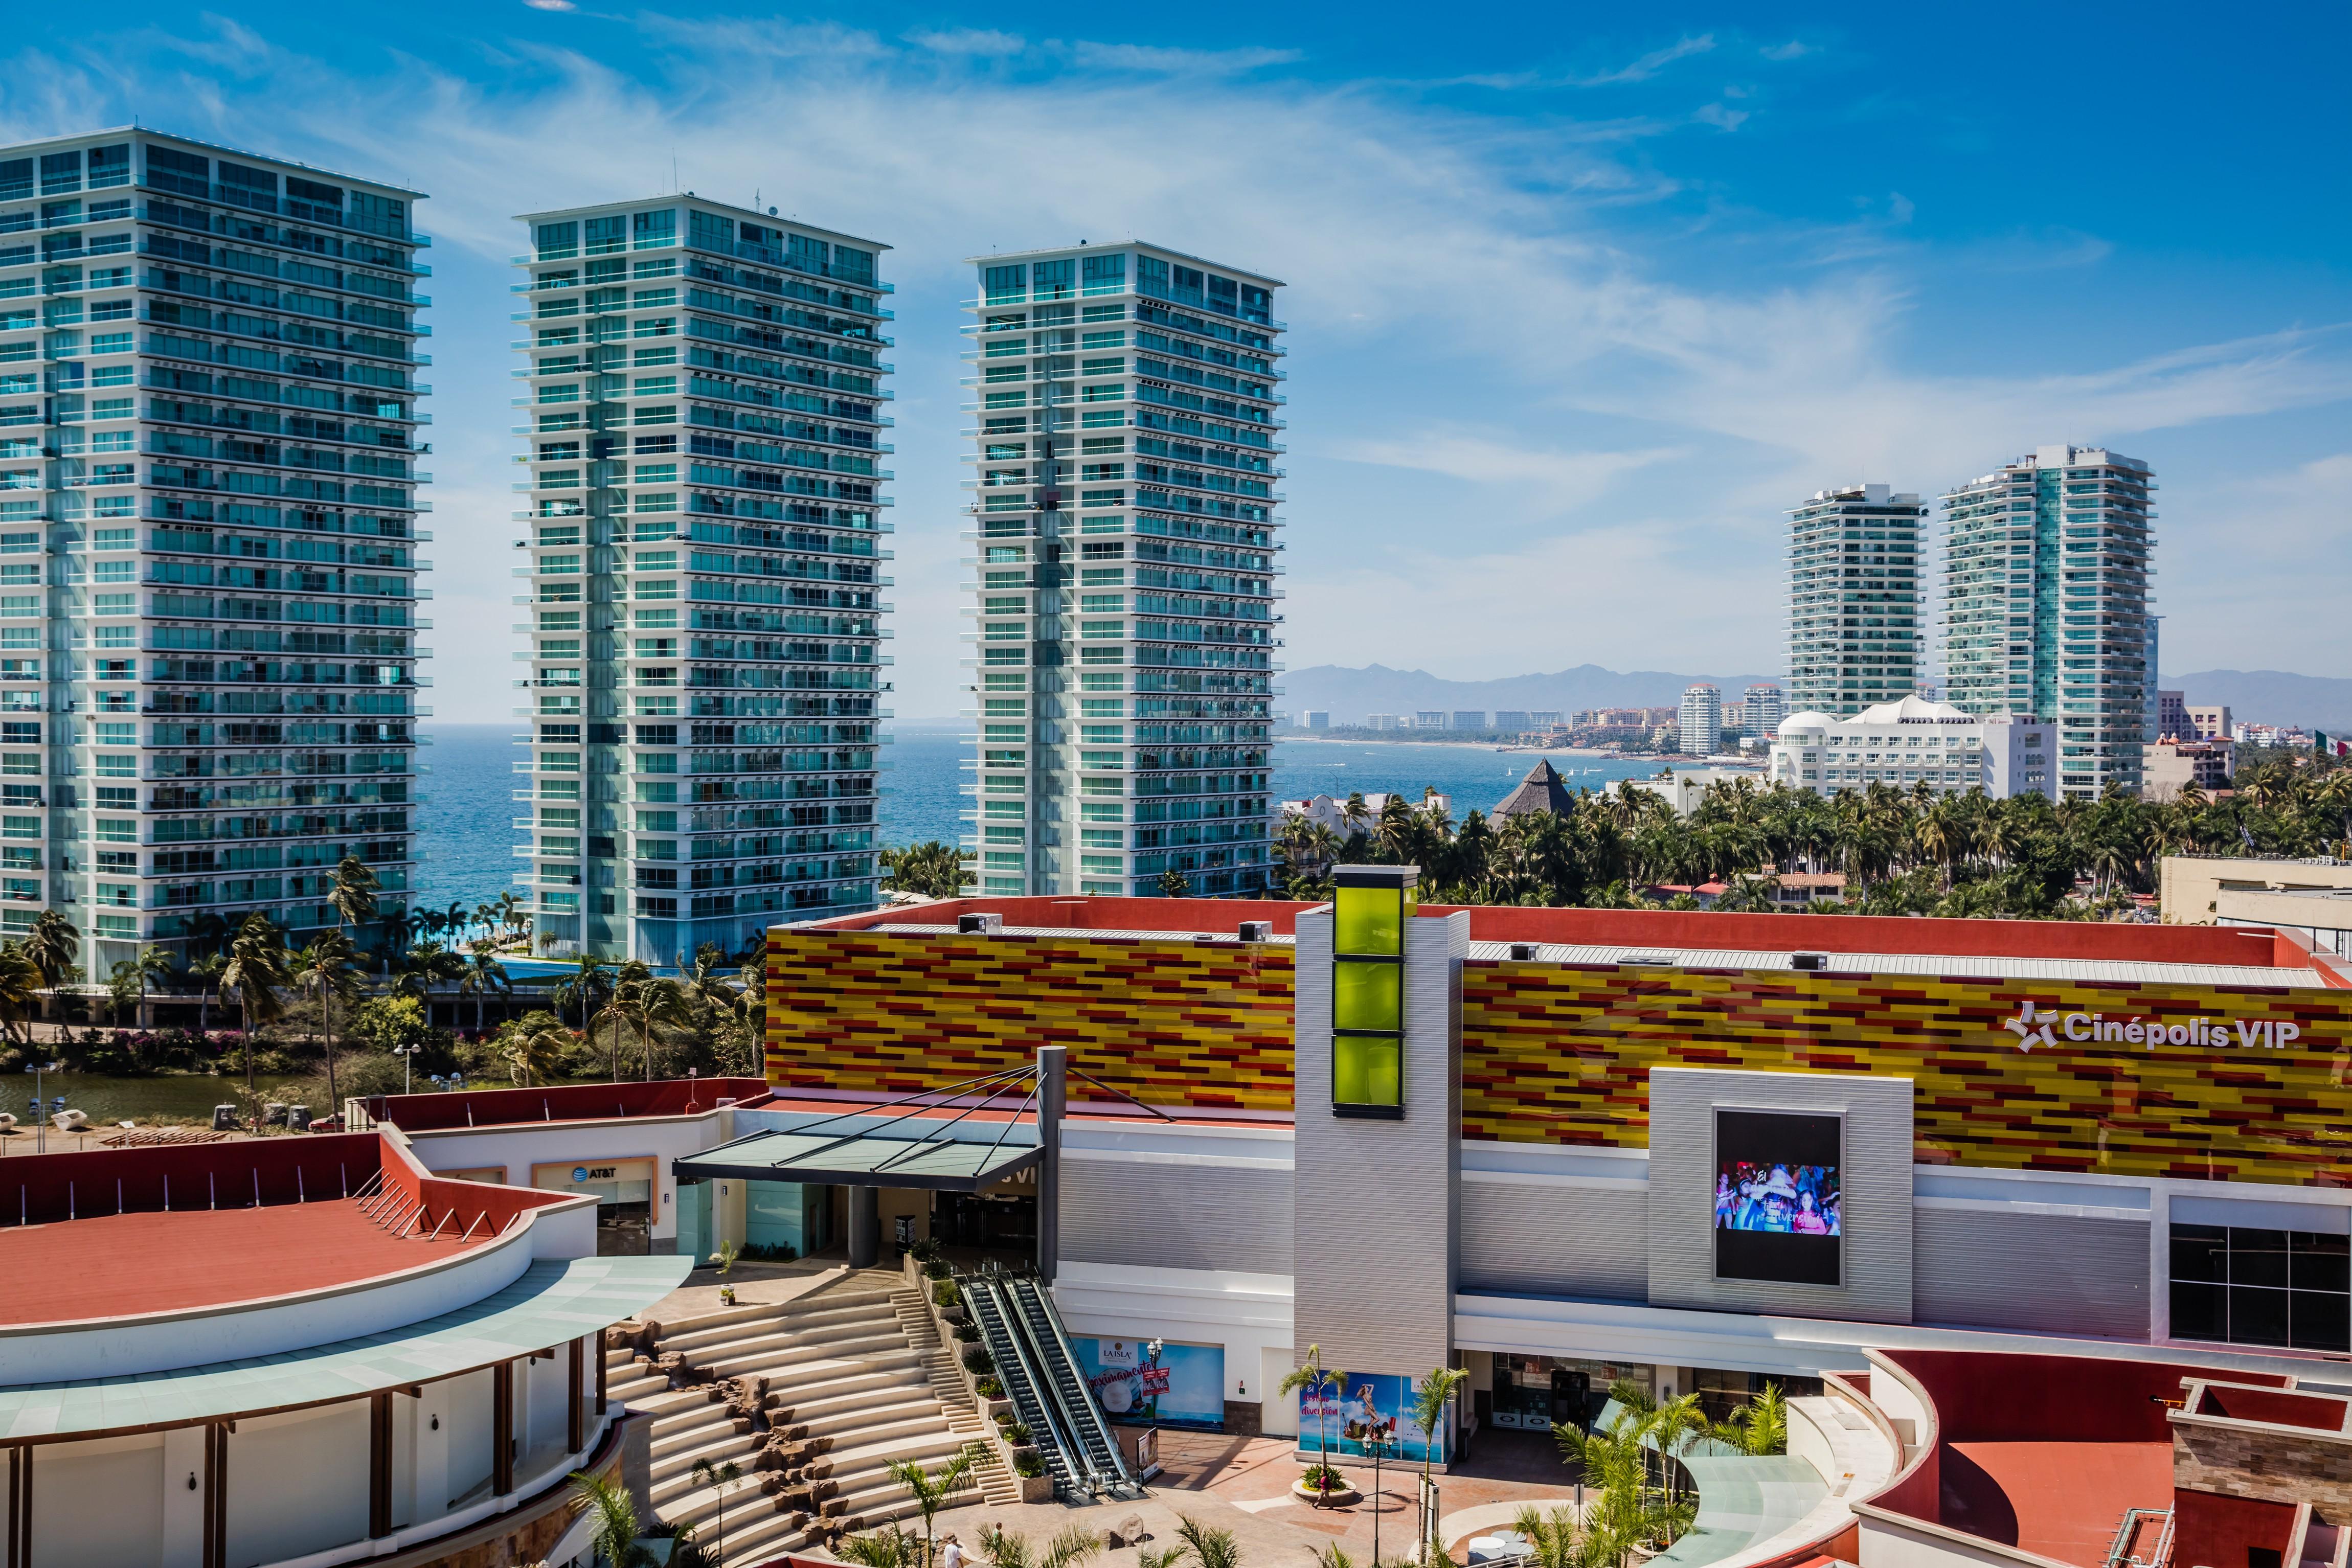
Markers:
<point>934,1141</point>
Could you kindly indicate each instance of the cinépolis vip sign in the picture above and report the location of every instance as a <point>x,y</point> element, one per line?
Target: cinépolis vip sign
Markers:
<point>2034,1027</point>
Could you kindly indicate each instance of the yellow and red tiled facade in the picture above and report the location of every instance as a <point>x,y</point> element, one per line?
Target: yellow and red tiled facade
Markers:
<point>1562,1053</point>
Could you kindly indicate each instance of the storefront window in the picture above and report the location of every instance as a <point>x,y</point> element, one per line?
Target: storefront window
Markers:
<point>1533,1393</point>
<point>2243,1286</point>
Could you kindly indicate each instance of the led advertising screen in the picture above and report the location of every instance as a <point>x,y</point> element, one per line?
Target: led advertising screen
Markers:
<point>1779,1208</point>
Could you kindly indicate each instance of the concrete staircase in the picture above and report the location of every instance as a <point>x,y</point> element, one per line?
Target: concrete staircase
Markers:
<point>997,1484</point>
<point>841,1362</point>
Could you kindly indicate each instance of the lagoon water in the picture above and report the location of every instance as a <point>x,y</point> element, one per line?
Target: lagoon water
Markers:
<point>469,812</point>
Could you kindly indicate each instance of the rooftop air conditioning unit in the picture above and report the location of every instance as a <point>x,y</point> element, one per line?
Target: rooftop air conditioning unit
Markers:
<point>1523,952</point>
<point>987,925</point>
<point>1808,961</point>
<point>1662,958</point>
<point>1258,931</point>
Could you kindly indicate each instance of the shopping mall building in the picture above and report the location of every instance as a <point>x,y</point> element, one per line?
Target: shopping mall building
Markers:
<point>1566,1147</point>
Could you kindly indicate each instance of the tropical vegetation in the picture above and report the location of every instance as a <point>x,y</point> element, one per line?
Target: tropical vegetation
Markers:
<point>1901,853</point>
<point>1638,1503</point>
<point>932,870</point>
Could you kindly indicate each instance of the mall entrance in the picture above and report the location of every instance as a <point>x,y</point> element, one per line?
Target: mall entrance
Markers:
<point>981,1223</point>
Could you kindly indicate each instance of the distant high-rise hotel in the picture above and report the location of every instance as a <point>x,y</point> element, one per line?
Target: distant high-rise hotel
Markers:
<point>1125,432</point>
<point>1853,599</point>
<point>208,444</point>
<point>1700,719</point>
<point>704,420</point>
<point>2045,607</point>
<point>1761,709</point>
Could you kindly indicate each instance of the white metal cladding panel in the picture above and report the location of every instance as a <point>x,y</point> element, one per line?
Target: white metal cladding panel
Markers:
<point>1233,1218</point>
<point>1377,1200</point>
<point>1554,1239</point>
<point>2032,1273</point>
<point>1875,1189</point>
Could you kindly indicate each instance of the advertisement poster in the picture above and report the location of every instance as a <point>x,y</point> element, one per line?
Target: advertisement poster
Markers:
<point>1164,1384</point>
<point>1370,1407</point>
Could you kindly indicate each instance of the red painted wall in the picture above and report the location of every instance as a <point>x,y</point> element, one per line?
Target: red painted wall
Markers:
<point>1988,1396</point>
<point>38,1189</point>
<point>562,1102</point>
<point>2211,1530</point>
<point>2255,946</point>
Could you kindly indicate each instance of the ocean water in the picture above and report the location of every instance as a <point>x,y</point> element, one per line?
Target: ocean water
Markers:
<point>467,821</point>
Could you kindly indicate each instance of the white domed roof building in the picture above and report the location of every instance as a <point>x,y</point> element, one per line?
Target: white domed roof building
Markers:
<point>1915,741</point>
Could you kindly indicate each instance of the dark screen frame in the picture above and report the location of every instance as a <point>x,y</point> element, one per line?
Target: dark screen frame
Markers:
<point>1791,1136</point>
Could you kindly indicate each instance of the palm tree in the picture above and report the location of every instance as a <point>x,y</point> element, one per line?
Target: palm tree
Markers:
<point>724,1478</point>
<point>256,969</point>
<point>533,1054</point>
<point>622,1011</point>
<point>482,974</point>
<point>1206,1545</point>
<point>1627,1512</point>
<point>20,989</point>
<point>934,870</point>
<point>206,972</point>
<point>662,1001</point>
<point>1309,1376</point>
<point>889,1547</point>
<point>152,964</point>
<point>352,895</point>
<point>55,949</point>
<point>1761,1427</point>
<point>324,969</point>
<point>930,1490</point>
<point>583,985</point>
<point>1559,1539</point>
<point>1430,1398</point>
<point>615,1537</point>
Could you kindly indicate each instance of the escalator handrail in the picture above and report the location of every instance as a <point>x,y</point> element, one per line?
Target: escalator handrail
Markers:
<point>1067,1382</point>
<point>1094,1413</point>
<point>1018,1378</point>
<point>1054,1423</point>
<point>1083,1463</point>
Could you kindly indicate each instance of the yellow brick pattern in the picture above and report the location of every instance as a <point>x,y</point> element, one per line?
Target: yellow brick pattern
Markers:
<point>1170,1023</point>
<point>1563,1055</point>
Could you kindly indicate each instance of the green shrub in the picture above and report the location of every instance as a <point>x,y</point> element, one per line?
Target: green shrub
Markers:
<point>935,1270</point>
<point>945,1294</point>
<point>1016,1433</point>
<point>989,1389</point>
<point>1028,1467</point>
<point>976,1360</point>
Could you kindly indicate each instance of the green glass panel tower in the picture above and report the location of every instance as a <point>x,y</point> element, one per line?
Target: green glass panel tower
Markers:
<point>704,418</point>
<point>1125,425</point>
<point>2046,605</point>
<point>209,437</point>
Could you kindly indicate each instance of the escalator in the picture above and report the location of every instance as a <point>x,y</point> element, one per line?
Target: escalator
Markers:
<point>1018,1324</point>
<point>1022,1384</point>
<point>1083,1413</point>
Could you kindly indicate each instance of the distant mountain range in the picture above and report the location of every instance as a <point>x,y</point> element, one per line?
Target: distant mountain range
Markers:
<point>1348,694</point>
<point>2263,697</point>
<point>2272,696</point>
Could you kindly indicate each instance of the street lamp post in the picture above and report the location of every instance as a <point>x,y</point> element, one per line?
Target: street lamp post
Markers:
<point>1376,1443</point>
<point>407,1054</point>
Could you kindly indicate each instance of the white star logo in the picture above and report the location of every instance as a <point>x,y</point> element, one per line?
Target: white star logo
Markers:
<point>2022,1027</point>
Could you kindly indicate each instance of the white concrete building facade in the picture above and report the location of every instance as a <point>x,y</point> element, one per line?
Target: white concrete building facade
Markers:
<point>1701,720</point>
<point>1913,742</point>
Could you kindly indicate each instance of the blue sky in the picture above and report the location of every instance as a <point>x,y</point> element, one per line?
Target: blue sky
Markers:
<point>1581,297</point>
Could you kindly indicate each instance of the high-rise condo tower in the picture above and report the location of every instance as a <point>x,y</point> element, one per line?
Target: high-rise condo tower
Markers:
<point>2047,605</point>
<point>705,416</point>
<point>1125,434</point>
<point>1854,600</point>
<point>208,501</point>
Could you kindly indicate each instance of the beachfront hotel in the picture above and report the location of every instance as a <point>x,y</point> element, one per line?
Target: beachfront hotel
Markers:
<point>1125,437</point>
<point>704,424</point>
<point>1854,600</point>
<point>209,436</point>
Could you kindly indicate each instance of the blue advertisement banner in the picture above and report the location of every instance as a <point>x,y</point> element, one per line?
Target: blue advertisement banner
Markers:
<point>1154,1381</point>
<point>1369,1407</point>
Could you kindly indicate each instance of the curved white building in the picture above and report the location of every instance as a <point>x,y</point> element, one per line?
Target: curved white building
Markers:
<point>302,1350</point>
<point>1911,742</point>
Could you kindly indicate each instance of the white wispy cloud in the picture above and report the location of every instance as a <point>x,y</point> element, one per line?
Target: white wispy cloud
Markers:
<point>1485,323</point>
<point>1651,64</point>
